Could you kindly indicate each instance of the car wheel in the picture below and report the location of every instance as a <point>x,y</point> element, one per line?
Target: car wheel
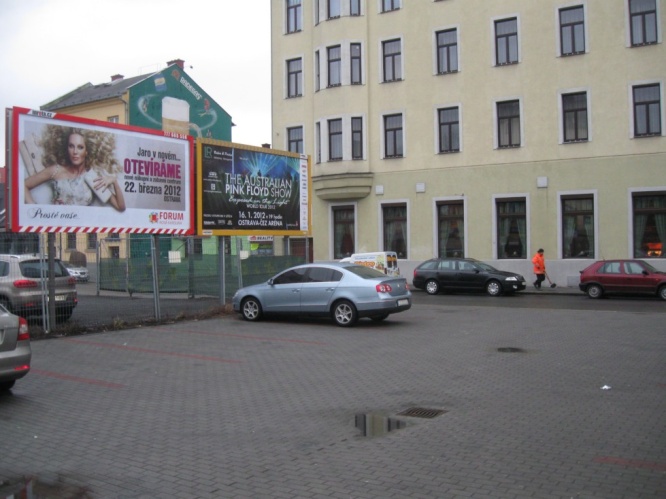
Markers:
<point>379,318</point>
<point>7,385</point>
<point>251,309</point>
<point>493,288</point>
<point>662,292</point>
<point>64,314</point>
<point>344,313</point>
<point>432,287</point>
<point>594,291</point>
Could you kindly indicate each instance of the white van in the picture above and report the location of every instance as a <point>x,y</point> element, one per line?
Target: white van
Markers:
<point>384,261</point>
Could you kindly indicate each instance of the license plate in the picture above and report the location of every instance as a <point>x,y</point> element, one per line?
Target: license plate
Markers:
<point>57,298</point>
<point>403,302</point>
<point>524,283</point>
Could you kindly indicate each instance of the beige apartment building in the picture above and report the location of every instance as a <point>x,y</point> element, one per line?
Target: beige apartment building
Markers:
<point>486,129</point>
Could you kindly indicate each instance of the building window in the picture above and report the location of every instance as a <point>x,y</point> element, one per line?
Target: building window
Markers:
<point>71,241</point>
<point>649,211</point>
<point>355,7</point>
<point>113,236</point>
<point>389,5</point>
<point>294,78</point>
<point>643,22</point>
<point>393,145</point>
<point>317,72</point>
<point>333,9</point>
<point>335,140</point>
<point>392,56</point>
<point>506,41</point>
<point>647,110</point>
<point>92,241</point>
<point>449,129</point>
<point>357,138</point>
<point>451,229</point>
<point>572,31</point>
<point>295,139</point>
<point>578,227</point>
<point>334,65</point>
<point>343,231</point>
<point>511,228</point>
<point>508,124</point>
<point>113,119</point>
<point>318,142</point>
<point>395,229</point>
<point>355,52</point>
<point>447,51</point>
<point>574,117</point>
<point>294,11</point>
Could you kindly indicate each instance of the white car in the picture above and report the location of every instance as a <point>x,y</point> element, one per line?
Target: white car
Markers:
<point>81,274</point>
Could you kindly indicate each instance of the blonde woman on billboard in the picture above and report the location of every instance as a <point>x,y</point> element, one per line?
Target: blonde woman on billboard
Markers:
<point>79,165</point>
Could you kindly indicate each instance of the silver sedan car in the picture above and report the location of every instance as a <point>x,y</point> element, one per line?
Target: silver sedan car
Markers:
<point>343,291</point>
<point>15,352</point>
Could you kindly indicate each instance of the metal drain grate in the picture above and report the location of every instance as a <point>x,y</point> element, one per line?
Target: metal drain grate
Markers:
<point>420,412</point>
<point>510,350</point>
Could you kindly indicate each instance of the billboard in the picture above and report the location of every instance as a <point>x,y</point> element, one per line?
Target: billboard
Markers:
<point>245,190</point>
<point>70,174</point>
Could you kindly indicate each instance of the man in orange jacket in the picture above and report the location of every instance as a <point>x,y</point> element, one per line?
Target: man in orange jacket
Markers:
<point>539,268</point>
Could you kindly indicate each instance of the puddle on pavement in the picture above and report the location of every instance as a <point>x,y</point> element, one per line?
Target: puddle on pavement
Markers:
<point>377,425</point>
<point>43,488</point>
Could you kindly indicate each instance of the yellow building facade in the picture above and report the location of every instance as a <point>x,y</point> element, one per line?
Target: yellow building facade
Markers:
<point>476,128</point>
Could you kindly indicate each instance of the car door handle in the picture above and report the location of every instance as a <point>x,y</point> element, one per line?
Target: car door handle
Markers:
<point>295,290</point>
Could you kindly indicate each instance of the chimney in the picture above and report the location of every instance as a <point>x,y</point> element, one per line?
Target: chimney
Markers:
<point>266,146</point>
<point>180,62</point>
<point>117,77</point>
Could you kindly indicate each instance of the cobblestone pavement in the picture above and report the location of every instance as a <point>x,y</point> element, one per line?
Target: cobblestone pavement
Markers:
<point>535,403</point>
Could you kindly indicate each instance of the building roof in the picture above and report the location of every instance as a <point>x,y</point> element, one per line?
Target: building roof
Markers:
<point>92,93</point>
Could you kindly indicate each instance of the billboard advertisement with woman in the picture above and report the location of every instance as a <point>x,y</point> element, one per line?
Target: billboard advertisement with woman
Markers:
<point>69,174</point>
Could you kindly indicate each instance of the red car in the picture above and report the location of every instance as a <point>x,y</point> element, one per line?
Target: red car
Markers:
<point>622,276</point>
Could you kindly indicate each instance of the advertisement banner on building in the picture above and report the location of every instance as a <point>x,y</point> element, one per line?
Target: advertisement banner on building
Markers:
<point>245,190</point>
<point>70,174</point>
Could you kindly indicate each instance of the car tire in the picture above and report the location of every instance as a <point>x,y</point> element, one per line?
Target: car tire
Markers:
<point>594,291</point>
<point>661,292</point>
<point>432,287</point>
<point>344,313</point>
<point>64,314</point>
<point>5,386</point>
<point>379,318</point>
<point>251,309</point>
<point>493,288</point>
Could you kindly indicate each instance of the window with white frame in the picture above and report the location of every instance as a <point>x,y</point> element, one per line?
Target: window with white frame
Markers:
<point>578,226</point>
<point>334,9</point>
<point>511,227</point>
<point>394,224</point>
<point>343,231</point>
<point>335,140</point>
<point>447,51</point>
<point>508,124</point>
<point>506,41</point>
<point>451,229</point>
<point>392,60</point>
<point>317,72</point>
<point>649,218</point>
<point>354,7</point>
<point>643,22</point>
<point>389,5</point>
<point>448,120</point>
<point>334,66</point>
<point>318,142</point>
<point>294,16</point>
<point>647,110</point>
<point>574,117</point>
<point>295,139</point>
<point>393,136</point>
<point>572,30</point>
<point>356,66</point>
<point>294,78</point>
<point>357,137</point>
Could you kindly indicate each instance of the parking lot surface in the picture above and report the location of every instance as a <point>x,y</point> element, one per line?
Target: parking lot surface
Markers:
<point>481,401</point>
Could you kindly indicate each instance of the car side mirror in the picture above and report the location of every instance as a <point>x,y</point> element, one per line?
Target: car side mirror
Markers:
<point>270,282</point>
<point>645,272</point>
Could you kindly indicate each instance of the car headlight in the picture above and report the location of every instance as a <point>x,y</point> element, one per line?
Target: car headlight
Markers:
<point>511,278</point>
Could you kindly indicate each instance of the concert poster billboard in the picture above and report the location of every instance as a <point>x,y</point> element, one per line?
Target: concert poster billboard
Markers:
<point>71,174</point>
<point>245,190</point>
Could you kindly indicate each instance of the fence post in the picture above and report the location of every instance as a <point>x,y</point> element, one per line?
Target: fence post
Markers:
<point>156,280</point>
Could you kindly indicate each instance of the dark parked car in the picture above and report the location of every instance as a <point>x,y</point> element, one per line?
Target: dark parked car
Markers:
<point>622,276</point>
<point>15,353</point>
<point>465,274</point>
<point>343,291</point>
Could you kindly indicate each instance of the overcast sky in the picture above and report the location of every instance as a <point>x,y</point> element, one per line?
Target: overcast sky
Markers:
<point>50,47</point>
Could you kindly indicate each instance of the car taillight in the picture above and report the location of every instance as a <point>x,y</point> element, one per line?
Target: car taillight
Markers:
<point>23,332</point>
<point>383,288</point>
<point>25,283</point>
<point>71,281</point>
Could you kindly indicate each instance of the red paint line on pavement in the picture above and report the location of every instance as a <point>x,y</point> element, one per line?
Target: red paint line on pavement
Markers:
<point>630,463</point>
<point>77,379</point>
<point>156,352</point>
<point>258,338</point>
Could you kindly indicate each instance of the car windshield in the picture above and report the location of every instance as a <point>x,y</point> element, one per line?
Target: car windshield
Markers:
<point>33,269</point>
<point>365,272</point>
<point>485,266</point>
<point>651,268</point>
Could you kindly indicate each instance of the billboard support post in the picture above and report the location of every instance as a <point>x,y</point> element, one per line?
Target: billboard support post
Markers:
<point>156,278</point>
